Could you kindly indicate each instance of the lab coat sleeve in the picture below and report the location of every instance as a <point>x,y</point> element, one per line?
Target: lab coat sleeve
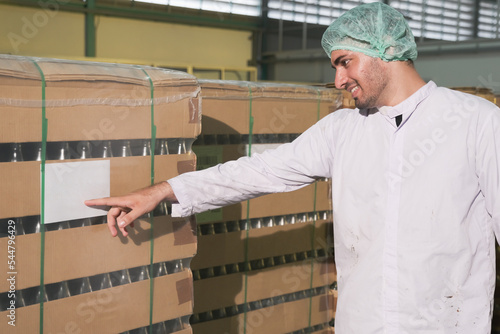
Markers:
<point>286,168</point>
<point>488,165</point>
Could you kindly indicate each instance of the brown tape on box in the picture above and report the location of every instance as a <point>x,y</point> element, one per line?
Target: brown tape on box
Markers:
<point>166,233</point>
<point>184,289</point>
<point>194,110</point>
<point>168,166</point>
<point>326,302</point>
<point>184,231</point>
<point>186,166</point>
<point>335,298</point>
<point>328,266</point>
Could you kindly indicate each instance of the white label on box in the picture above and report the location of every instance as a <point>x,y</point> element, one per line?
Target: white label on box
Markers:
<point>69,184</point>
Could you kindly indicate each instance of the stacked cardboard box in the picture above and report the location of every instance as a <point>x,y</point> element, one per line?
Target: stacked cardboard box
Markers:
<point>110,115</point>
<point>263,266</point>
<point>483,92</point>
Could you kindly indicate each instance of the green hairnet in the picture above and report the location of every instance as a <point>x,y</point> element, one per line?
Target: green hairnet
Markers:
<point>375,29</point>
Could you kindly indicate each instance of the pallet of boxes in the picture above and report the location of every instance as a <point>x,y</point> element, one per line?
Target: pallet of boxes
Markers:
<point>265,265</point>
<point>73,130</point>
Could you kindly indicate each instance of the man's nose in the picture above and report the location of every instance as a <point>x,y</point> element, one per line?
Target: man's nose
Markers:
<point>340,79</point>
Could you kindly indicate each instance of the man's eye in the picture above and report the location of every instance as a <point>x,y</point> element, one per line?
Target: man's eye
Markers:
<point>345,62</point>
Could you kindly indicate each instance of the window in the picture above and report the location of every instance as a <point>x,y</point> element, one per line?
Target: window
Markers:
<point>439,20</point>
<point>489,19</point>
<point>311,11</point>
<point>454,20</point>
<point>241,7</point>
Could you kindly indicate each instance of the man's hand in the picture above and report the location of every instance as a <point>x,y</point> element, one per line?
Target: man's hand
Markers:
<point>125,209</point>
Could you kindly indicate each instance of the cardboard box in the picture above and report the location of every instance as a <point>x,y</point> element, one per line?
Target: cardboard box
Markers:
<point>81,266</point>
<point>20,192</point>
<point>227,290</point>
<point>94,101</point>
<point>348,101</point>
<point>112,310</point>
<point>280,113</point>
<point>483,92</point>
<point>72,253</point>
<point>276,108</point>
<point>262,243</point>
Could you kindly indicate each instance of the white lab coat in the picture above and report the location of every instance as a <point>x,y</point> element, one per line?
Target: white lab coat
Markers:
<point>415,208</point>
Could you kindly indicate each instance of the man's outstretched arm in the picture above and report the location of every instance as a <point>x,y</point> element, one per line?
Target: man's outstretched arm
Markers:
<point>125,209</point>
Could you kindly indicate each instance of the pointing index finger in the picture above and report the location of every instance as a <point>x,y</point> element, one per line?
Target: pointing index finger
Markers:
<point>105,202</point>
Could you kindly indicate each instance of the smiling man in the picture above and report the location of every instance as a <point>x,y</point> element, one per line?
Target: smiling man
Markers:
<point>415,175</point>
<point>372,81</point>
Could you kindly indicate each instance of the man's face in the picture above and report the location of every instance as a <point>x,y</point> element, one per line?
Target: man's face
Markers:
<point>364,77</point>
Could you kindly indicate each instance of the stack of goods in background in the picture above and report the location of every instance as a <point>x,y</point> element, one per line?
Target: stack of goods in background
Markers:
<point>346,99</point>
<point>485,93</point>
<point>266,265</point>
<point>105,127</point>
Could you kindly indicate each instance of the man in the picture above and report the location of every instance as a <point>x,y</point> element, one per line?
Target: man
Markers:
<point>415,175</point>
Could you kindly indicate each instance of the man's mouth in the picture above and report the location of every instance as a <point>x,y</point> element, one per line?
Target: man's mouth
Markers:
<point>354,91</point>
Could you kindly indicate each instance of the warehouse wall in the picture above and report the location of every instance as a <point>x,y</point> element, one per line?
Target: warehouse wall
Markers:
<point>478,69</point>
<point>133,39</point>
<point>37,32</point>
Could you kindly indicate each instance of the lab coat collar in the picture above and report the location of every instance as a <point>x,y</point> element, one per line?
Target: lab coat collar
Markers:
<point>409,105</point>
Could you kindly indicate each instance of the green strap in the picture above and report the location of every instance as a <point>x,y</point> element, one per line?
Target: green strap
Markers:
<point>151,216</point>
<point>313,234</point>
<point>42,196</point>
<point>247,225</point>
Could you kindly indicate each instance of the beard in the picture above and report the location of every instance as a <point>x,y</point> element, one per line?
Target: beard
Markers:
<point>375,82</point>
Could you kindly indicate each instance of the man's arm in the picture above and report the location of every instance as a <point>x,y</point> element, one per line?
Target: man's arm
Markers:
<point>289,167</point>
<point>125,209</point>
